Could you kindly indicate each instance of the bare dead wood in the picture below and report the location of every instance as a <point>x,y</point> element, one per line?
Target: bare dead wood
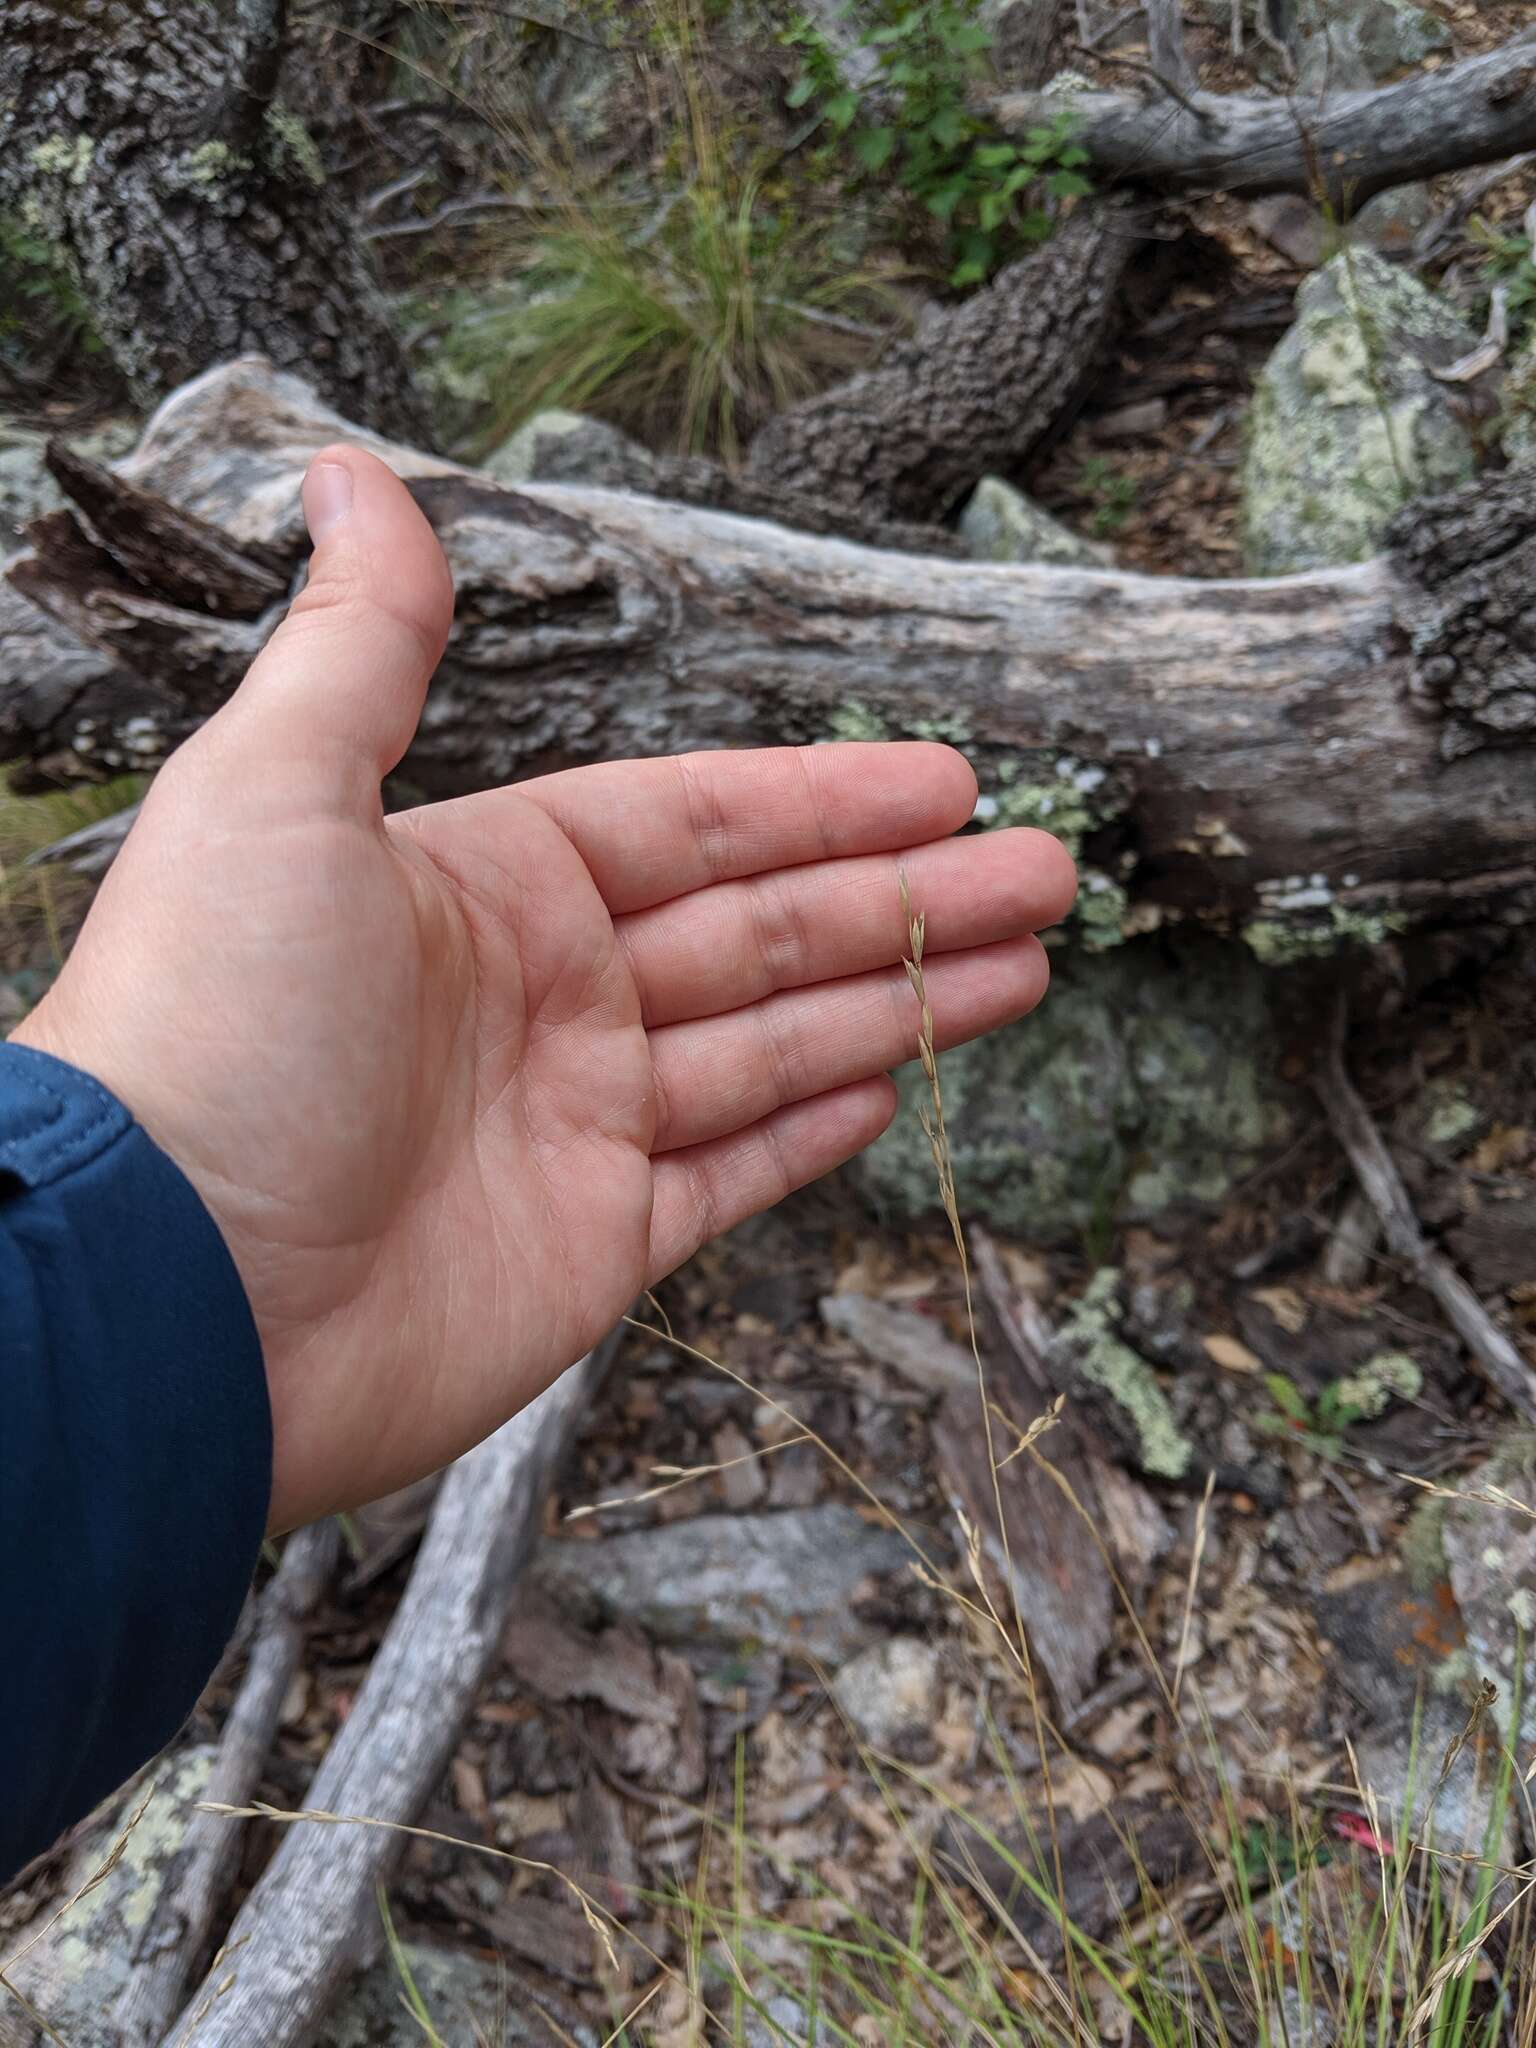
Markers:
<point>1285,753</point>
<point>312,1918</point>
<point>1344,146</point>
<point>1493,1352</point>
<point>175,1937</point>
<point>1165,43</point>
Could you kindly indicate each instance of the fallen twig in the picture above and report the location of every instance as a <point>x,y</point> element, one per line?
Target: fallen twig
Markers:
<point>311,1919</point>
<point>1496,1356</point>
<point>172,1941</point>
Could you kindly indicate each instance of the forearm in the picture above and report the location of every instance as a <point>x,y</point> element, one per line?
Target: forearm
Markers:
<point>135,1446</point>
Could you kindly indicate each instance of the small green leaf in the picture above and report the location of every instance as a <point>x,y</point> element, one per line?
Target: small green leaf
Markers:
<point>1068,185</point>
<point>1287,1397</point>
<point>802,89</point>
<point>873,146</point>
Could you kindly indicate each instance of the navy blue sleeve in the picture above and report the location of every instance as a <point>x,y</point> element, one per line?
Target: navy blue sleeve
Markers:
<point>135,1448</point>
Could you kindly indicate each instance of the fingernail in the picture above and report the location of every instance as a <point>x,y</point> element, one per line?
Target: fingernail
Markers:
<point>326,497</point>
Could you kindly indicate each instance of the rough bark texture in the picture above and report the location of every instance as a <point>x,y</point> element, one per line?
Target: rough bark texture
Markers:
<point>978,387</point>
<point>142,137</point>
<point>313,1916</point>
<point>1470,562</point>
<point>1250,752</point>
<point>1349,145</point>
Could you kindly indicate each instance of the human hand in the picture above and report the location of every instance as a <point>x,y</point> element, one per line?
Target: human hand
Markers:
<point>458,1083</point>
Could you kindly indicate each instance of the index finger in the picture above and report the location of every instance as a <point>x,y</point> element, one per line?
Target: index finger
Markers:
<point>652,830</point>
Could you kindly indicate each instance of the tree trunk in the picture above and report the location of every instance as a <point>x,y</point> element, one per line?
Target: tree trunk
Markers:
<point>1344,147</point>
<point>144,139</point>
<point>1270,755</point>
<point>978,388</point>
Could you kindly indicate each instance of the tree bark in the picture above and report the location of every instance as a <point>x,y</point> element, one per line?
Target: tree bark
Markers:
<point>980,386</point>
<point>312,1917</point>
<point>144,139</point>
<point>1343,147</point>
<point>1271,755</point>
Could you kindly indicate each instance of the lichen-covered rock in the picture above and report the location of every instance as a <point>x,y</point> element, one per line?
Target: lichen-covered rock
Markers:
<point>556,447</point>
<point>1342,43</point>
<point>1491,1552</point>
<point>1147,1081</point>
<point>1336,44</point>
<point>1346,423</point>
<point>74,1977</point>
<point>999,524</point>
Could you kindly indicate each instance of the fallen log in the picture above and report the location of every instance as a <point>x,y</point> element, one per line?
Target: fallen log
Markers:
<point>1310,758</point>
<point>313,1917</point>
<point>1339,146</point>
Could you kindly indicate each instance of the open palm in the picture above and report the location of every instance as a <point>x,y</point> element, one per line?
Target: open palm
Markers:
<point>458,1083</point>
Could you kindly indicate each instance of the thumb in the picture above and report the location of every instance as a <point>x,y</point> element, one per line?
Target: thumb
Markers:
<point>339,687</point>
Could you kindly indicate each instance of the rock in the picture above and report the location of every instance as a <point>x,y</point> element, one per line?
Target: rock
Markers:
<point>1292,225</point>
<point>1346,423</point>
<point>912,1345</point>
<point>26,488</point>
<point>890,1692</point>
<point>1344,43</point>
<point>999,524</point>
<point>787,1579</point>
<point>569,448</point>
<point>1147,1082</point>
<point>1491,1552</point>
<point>1397,1654</point>
<point>75,1976</point>
<point>1392,221</point>
<point>782,2023</point>
<point>1336,44</point>
<point>467,1999</point>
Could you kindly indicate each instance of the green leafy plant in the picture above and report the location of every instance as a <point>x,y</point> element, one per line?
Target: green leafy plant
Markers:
<point>1354,1397</point>
<point>914,127</point>
<point>1113,494</point>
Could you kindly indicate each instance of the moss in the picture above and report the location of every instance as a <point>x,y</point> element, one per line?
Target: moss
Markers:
<point>293,142</point>
<point>64,156</point>
<point>1102,1358</point>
